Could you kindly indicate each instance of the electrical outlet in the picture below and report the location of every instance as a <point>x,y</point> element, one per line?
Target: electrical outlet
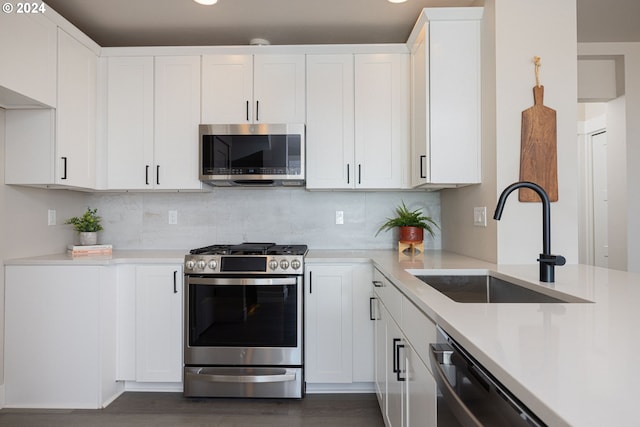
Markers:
<point>480,216</point>
<point>173,217</point>
<point>51,217</point>
<point>339,217</point>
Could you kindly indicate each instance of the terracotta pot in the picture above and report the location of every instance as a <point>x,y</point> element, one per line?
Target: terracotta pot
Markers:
<point>411,235</point>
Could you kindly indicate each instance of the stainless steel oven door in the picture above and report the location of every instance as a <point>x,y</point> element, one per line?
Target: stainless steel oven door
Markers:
<point>243,321</point>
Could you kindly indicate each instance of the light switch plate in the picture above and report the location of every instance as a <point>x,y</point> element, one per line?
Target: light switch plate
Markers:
<point>339,217</point>
<point>51,217</point>
<point>480,216</point>
<point>173,217</point>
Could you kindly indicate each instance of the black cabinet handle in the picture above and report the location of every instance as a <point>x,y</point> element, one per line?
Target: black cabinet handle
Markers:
<point>378,284</point>
<point>399,371</point>
<point>395,355</point>
<point>371,316</point>
<point>247,110</point>
<point>257,111</point>
<point>311,282</point>
<point>348,174</point>
<point>64,168</point>
<point>175,282</point>
<point>146,174</point>
<point>359,174</point>
<point>158,175</point>
<point>423,160</point>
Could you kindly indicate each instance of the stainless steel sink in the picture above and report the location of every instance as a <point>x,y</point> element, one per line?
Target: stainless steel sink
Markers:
<point>490,289</point>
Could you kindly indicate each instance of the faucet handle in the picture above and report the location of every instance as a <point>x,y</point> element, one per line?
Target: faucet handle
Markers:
<point>552,259</point>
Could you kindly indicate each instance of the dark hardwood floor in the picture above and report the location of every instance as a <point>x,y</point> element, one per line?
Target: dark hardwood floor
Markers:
<point>171,409</point>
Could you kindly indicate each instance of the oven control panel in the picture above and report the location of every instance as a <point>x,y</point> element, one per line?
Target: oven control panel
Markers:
<point>244,264</point>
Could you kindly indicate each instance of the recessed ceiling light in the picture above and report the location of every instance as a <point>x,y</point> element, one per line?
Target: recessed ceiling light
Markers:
<point>396,1</point>
<point>206,2</point>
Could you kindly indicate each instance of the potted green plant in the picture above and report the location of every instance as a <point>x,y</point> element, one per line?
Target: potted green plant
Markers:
<point>87,226</point>
<point>412,224</point>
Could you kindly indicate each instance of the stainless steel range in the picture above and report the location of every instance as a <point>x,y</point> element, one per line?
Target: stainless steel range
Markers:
<point>243,321</point>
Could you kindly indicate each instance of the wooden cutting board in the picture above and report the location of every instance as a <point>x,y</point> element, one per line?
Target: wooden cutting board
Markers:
<point>538,154</point>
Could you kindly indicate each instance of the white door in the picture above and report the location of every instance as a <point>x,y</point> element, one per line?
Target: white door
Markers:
<point>129,121</point>
<point>177,116</point>
<point>330,127</point>
<point>381,120</point>
<point>227,89</point>
<point>159,323</point>
<point>76,113</point>
<point>600,203</point>
<point>328,324</point>
<point>279,89</point>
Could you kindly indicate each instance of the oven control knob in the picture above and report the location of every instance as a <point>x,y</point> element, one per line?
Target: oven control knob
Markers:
<point>284,264</point>
<point>295,264</point>
<point>273,264</point>
<point>190,264</point>
<point>213,264</point>
<point>201,264</point>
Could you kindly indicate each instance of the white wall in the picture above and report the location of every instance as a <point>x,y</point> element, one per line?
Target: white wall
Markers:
<point>624,174</point>
<point>137,221</point>
<point>517,30</point>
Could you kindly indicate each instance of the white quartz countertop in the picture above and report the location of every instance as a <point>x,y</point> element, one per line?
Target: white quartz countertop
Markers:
<point>116,257</point>
<point>570,363</point>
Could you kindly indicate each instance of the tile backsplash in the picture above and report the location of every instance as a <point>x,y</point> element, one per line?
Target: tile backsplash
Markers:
<point>283,215</point>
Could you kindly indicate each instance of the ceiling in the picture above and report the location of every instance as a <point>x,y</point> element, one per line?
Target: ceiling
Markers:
<point>289,22</point>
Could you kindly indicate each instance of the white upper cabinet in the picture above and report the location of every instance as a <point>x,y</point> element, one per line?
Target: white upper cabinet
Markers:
<point>153,112</point>
<point>330,121</point>
<point>129,121</point>
<point>357,121</point>
<point>253,89</point>
<point>177,116</point>
<point>76,113</point>
<point>29,55</point>
<point>445,75</point>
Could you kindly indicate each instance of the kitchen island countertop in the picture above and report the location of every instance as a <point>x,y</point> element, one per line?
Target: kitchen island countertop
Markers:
<point>570,363</point>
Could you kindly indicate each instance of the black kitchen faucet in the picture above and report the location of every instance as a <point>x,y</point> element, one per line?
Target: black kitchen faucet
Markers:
<point>547,260</point>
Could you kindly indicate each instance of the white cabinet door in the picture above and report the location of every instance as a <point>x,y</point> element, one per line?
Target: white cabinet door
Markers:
<point>159,323</point>
<point>76,113</point>
<point>395,387</point>
<point>279,88</point>
<point>420,391</point>
<point>330,122</point>
<point>60,346</point>
<point>381,120</point>
<point>177,115</point>
<point>227,89</point>
<point>328,324</point>
<point>446,97</point>
<point>363,323</point>
<point>380,353</point>
<point>28,48</point>
<point>129,121</point>
<point>253,89</point>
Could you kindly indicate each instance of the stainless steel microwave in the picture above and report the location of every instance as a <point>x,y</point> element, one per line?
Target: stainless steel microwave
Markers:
<point>252,154</point>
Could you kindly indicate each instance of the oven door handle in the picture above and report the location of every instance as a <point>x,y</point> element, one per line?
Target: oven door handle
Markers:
<point>222,378</point>
<point>237,281</point>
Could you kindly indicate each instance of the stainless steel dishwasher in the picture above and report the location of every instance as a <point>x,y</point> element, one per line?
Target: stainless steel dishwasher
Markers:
<point>468,395</point>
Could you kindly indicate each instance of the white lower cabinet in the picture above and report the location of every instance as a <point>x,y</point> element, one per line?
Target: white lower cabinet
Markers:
<point>405,387</point>
<point>150,304</point>
<point>60,337</point>
<point>338,326</point>
<point>159,323</point>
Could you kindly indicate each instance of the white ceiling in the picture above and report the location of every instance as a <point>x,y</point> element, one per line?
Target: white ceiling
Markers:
<point>236,22</point>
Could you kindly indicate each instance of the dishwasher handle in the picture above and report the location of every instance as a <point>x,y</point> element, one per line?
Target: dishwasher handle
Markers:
<point>439,354</point>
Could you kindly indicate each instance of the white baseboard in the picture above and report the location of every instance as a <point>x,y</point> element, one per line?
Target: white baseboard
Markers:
<point>340,388</point>
<point>159,387</point>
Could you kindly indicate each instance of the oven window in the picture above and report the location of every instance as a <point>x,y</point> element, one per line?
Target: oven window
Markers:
<point>242,316</point>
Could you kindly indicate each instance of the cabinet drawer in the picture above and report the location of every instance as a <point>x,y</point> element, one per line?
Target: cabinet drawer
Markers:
<point>419,329</point>
<point>389,295</point>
